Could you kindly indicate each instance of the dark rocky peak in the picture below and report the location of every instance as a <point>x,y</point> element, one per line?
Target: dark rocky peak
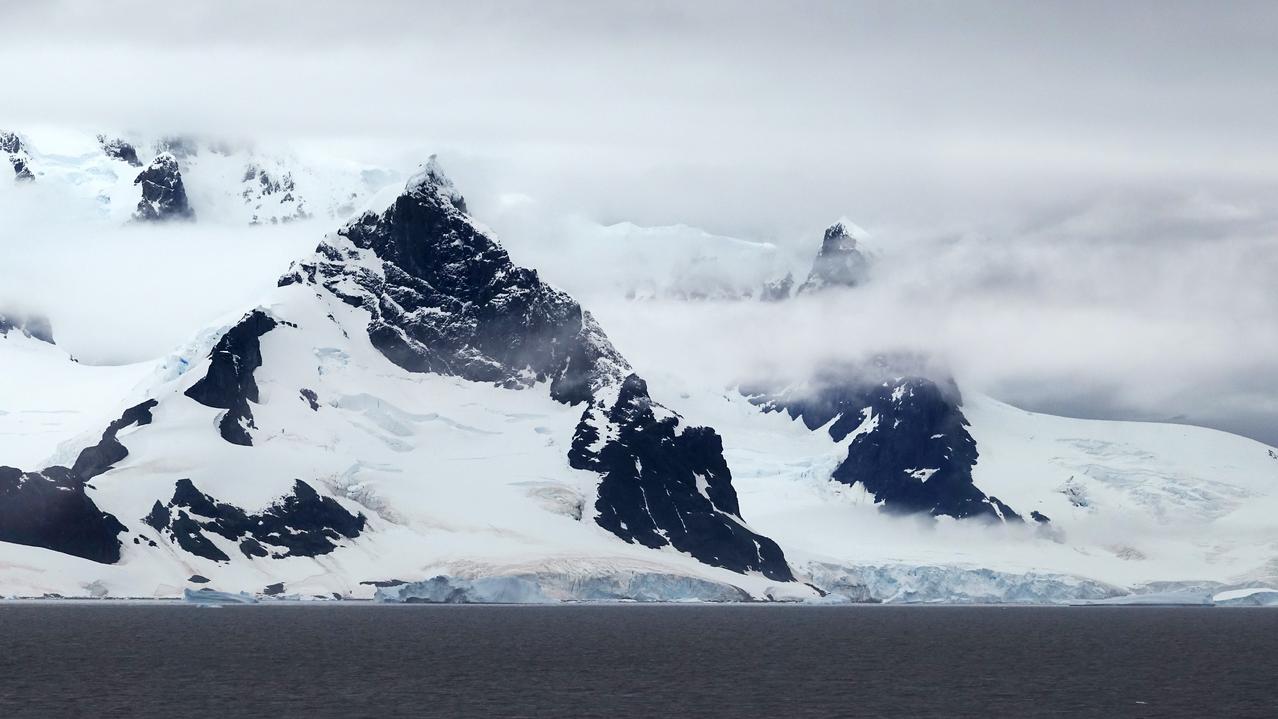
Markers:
<point>430,179</point>
<point>19,158</point>
<point>34,326</point>
<point>118,149</point>
<point>444,297</point>
<point>839,263</point>
<point>163,194</point>
<point>910,445</point>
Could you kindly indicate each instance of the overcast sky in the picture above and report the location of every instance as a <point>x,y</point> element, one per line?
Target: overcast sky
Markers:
<point>1091,161</point>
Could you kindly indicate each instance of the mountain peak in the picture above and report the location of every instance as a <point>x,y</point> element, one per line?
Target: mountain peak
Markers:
<point>431,179</point>
<point>163,194</point>
<point>839,263</point>
<point>837,237</point>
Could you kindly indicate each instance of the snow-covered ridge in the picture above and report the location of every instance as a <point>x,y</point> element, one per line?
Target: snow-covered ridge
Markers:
<point>94,176</point>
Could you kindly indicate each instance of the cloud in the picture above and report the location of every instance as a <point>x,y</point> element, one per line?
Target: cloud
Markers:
<point>1076,200</point>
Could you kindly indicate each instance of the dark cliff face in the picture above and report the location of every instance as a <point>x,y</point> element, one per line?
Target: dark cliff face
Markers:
<point>911,448</point>
<point>52,509</point>
<point>838,264</point>
<point>444,297</point>
<point>228,384</point>
<point>118,149</point>
<point>163,194</point>
<point>665,486</point>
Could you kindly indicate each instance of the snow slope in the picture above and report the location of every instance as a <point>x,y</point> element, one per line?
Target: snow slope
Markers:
<point>1163,503</point>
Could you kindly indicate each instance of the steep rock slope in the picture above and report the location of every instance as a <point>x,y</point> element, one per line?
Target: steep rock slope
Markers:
<point>907,438</point>
<point>163,194</point>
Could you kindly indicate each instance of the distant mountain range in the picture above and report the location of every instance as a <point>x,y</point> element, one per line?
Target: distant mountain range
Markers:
<point>413,416</point>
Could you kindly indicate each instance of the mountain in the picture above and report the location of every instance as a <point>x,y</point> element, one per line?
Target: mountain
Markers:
<point>839,263</point>
<point>413,413</point>
<point>409,404</point>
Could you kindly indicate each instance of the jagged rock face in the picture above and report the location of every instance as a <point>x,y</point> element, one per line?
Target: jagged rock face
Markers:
<point>301,524</point>
<point>163,194</point>
<point>229,383</point>
<point>33,326</point>
<point>273,199</point>
<point>838,264</point>
<point>665,487</point>
<point>51,508</point>
<point>910,446</point>
<point>118,149</point>
<point>19,158</point>
<point>445,298</point>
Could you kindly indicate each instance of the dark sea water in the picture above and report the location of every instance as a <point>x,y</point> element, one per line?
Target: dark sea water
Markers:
<point>118,660</point>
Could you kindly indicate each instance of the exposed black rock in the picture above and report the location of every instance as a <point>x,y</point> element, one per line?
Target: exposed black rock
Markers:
<point>1038,516</point>
<point>838,264</point>
<point>97,459</point>
<point>444,297</point>
<point>273,590</point>
<point>34,326</point>
<point>662,487</point>
<point>310,397</point>
<point>163,194</point>
<point>301,524</point>
<point>51,508</point>
<point>911,450</point>
<point>229,382</point>
<point>118,149</point>
<point>778,290</point>
<point>19,158</point>
<point>198,579</point>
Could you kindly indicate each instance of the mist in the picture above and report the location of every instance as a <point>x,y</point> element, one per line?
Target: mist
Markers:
<point>1072,204</point>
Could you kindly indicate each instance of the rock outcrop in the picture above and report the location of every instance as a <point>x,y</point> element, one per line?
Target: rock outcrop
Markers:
<point>838,264</point>
<point>163,194</point>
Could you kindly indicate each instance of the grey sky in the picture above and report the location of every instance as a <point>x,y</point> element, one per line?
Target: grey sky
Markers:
<point>1114,155</point>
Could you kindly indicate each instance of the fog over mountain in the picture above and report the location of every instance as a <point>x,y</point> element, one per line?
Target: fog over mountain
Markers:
<point>1072,203</point>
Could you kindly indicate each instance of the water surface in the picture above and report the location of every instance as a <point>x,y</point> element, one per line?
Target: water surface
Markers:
<point>89,660</point>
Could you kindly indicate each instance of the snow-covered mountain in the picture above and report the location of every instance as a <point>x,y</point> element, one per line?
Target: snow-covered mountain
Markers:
<point>409,404</point>
<point>411,414</point>
<point>135,176</point>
